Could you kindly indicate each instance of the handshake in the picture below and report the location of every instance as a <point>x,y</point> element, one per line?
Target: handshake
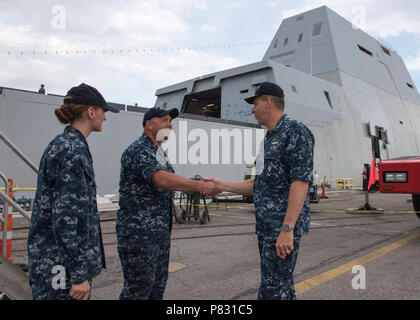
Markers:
<point>211,187</point>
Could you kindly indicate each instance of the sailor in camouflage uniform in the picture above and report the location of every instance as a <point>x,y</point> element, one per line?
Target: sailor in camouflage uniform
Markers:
<point>65,236</point>
<point>280,191</point>
<point>144,220</point>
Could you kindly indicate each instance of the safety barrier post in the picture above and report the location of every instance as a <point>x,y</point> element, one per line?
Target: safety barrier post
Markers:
<point>323,196</point>
<point>344,183</point>
<point>3,240</point>
<point>8,222</point>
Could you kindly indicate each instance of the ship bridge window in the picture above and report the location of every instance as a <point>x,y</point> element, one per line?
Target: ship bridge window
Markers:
<point>316,29</point>
<point>365,50</point>
<point>206,103</point>
<point>286,40</point>
<point>386,50</point>
<point>300,37</point>
<point>410,85</point>
<point>293,88</point>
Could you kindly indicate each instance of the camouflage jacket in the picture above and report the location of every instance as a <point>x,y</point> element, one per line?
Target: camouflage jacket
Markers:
<point>145,210</point>
<point>65,227</point>
<point>288,156</point>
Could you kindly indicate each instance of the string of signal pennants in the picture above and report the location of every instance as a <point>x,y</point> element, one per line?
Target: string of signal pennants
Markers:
<point>156,50</point>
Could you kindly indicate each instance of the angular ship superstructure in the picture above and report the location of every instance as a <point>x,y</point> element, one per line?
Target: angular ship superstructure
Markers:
<point>342,83</point>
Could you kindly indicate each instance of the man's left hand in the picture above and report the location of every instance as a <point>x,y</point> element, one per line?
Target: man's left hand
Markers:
<point>284,244</point>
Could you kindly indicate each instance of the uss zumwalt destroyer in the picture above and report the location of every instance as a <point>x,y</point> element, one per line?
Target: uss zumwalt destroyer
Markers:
<point>342,83</point>
<point>345,85</point>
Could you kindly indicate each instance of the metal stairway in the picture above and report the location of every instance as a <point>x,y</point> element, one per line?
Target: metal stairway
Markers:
<point>14,283</point>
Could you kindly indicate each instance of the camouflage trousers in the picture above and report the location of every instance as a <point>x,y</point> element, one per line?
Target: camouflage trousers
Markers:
<point>276,274</point>
<point>146,271</point>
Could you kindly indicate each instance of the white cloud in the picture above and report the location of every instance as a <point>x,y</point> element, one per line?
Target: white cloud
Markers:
<point>413,63</point>
<point>207,28</point>
<point>183,4</point>
<point>146,23</point>
<point>125,75</point>
<point>161,70</point>
<point>18,36</point>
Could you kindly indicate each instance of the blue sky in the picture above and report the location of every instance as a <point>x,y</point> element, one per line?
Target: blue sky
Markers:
<point>122,25</point>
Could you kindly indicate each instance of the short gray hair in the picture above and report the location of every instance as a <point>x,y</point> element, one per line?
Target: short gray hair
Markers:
<point>278,101</point>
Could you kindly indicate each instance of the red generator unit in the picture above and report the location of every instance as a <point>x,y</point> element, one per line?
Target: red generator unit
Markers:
<point>401,175</point>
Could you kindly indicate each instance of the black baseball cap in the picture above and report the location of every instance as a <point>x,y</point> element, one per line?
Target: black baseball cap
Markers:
<point>159,112</point>
<point>266,88</point>
<point>88,95</point>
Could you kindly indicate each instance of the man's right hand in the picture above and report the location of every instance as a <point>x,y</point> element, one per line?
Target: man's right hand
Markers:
<point>80,291</point>
<point>209,188</point>
<point>245,187</point>
<point>214,180</point>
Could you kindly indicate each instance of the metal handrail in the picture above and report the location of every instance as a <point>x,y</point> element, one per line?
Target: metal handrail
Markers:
<point>4,178</point>
<point>16,150</point>
<point>6,198</point>
<point>4,219</point>
<point>22,278</point>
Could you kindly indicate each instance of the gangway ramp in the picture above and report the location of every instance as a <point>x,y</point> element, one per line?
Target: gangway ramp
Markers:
<point>14,283</point>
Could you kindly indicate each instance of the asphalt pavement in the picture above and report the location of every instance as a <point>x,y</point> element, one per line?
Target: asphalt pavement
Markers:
<point>344,256</point>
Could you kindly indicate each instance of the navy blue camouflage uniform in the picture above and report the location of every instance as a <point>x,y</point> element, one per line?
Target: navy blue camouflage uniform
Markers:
<point>65,229</point>
<point>144,222</point>
<point>288,156</point>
